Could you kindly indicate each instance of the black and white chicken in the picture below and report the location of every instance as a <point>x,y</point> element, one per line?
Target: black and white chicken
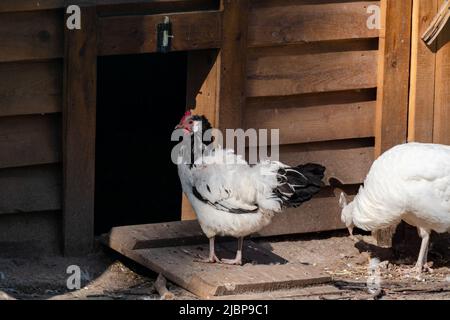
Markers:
<point>231,197</point>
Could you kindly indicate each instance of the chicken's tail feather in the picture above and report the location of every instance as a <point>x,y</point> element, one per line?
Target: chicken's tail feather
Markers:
<point>299,184</point>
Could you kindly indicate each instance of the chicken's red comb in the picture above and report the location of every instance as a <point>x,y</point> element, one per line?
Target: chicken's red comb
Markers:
<point>186,114</point>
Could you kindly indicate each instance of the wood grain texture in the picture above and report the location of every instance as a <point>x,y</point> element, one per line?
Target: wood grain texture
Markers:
<point>30,88</point>
<point>442,90</point>
<point>30,189</point>
<point>29,5</point>
<point>348,161</point>
<point>393,74</point>
<point>79,125</point>
<point>289,75</point>
<point>232,62</point>
<point>203,84</point>
<point>318,214</point>
<point>31,35</point>
<point>108,6</point>
<point>300,23</point>
<point>30,140</point>
<point>393,83</point>
<point>423,64</point>
<point>30,234</point>
<point>137,34</point>
<point>202,96</point>
<point>316,123</point>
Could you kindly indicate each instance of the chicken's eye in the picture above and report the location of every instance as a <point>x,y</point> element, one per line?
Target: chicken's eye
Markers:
<point>191,122</point>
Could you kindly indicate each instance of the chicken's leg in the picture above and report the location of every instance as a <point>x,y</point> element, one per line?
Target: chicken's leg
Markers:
<point>423,254</point>
<point>238,259</point>
<point>212,254</point>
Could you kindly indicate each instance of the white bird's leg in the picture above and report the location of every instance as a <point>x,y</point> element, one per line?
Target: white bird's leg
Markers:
<point>212,251</point>
<point>212,254</point>
<point>238,259</point>
<point>422,260</point>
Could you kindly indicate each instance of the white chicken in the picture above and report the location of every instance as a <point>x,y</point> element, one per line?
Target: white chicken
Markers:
<point>232,198</point>
<point>410,182</point>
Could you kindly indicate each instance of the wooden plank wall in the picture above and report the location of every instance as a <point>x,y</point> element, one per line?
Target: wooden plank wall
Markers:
<point>30,128</point>
<point>441,132</point>
<point>312,73</point>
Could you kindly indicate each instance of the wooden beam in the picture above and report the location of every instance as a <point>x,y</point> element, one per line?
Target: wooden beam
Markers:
<point>423,64</point>
<point>137,34</point>
<point>202,97</point>
<point>30,140</point>
<point>31,35</point>
<point>223,89</point>
<point>442,90</point>
<point>282,75</point>
<point>30,234</point>
<point>27,5</point>
<point>393,74</point>
<point>438,23</point>
<point>30,87</point>
<point>79,123</point>
<point>104,5</point>
<point>30,189</point>
<point>307,124</point>
<point>348,161</point>
<point>232,62</point>
<point>393,82</point>
<point>303,23</point>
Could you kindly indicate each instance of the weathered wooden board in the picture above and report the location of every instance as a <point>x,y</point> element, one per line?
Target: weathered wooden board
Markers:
<point>262,270</point>
<point>155,235</point>
<point>423,65</point>
<point>30,234</point>
<point>202,83</point>
<point>202,95</point>
<point>137,34</point>
<point>367,44</point>
<point>79,129</point>
<point>30,140</point>
<point>318,214</point>
<point>393,74</point>
<point>27,5</point>
<point>30,88</point>
<point>30,189</point>
<point>107,6</point>
<point>208,280</point>
<point>347,161</point>
<point>300,22</point>
<point>31,35</point>
<point>289,75</point>
<point>315,123</point>
<point>309,292</point>
<point>442,90</point>
<point>393,82</point>
<point>233,59</point>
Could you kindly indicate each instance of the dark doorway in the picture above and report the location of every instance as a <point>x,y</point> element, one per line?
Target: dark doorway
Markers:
<point>140,100</point>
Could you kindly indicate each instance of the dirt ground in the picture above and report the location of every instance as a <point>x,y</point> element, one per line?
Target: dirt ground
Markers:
<point>353,265</point>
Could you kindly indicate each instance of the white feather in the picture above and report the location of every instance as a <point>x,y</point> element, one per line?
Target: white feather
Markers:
<point>227,180</point>
<point>410,182</point>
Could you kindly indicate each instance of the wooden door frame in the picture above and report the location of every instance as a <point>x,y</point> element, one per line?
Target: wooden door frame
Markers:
<point>79,126</point>
<point>82,47</point>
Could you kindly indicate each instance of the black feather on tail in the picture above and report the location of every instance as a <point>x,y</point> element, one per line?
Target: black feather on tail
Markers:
<point>299,184</point>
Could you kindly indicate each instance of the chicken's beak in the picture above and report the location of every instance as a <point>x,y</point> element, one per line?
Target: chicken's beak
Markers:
<point>179,126</point>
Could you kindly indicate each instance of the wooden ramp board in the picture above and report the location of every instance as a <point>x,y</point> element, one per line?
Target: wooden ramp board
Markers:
<point>175,252</point>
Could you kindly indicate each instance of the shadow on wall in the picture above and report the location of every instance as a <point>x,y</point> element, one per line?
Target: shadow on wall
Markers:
<point>140,100</point>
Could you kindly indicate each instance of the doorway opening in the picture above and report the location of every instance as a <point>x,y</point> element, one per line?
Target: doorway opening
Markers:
<point>140,99</point>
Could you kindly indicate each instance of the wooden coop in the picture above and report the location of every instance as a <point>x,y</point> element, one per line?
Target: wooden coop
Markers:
<point>76,105</point>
